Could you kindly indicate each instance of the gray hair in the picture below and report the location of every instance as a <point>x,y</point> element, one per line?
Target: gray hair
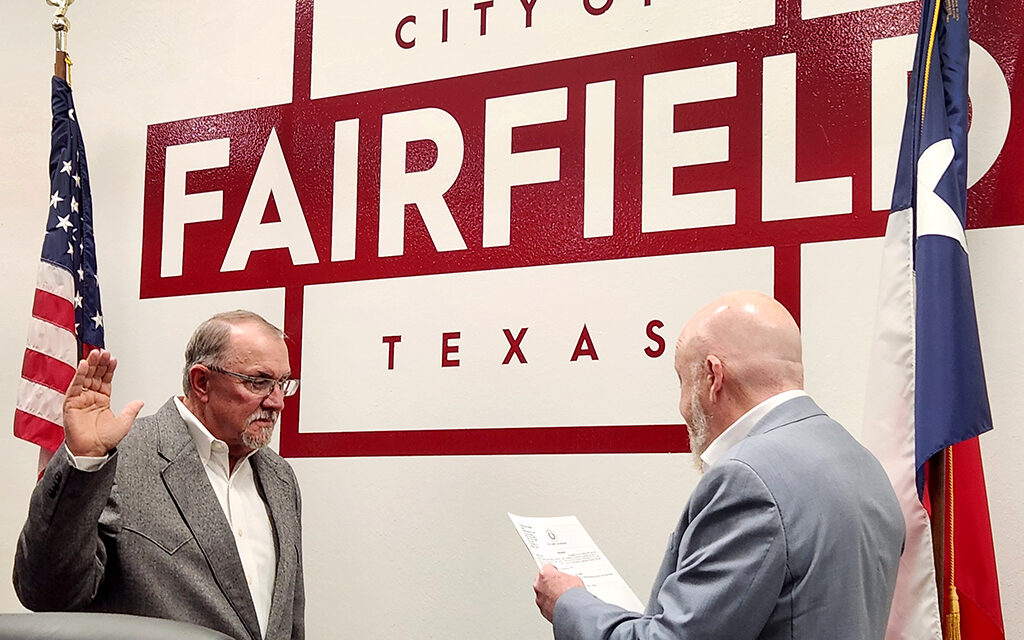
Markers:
<point>209,343</point>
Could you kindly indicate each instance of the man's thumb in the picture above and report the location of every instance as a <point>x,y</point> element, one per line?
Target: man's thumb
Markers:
<point>131,411</point>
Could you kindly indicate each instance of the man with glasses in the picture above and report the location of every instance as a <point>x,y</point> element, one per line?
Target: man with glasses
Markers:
<point>186,515</point>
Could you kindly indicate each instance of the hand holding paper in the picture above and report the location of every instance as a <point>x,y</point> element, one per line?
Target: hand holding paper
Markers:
<point>550,585</point>
<point>563,543</point>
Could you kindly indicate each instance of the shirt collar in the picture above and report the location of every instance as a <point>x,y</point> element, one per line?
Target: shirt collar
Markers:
<point>738,430</point>
<point>207,445</point>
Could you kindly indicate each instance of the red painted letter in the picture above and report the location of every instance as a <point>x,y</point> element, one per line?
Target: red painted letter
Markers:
<point>528,6</point>
<point>584,346</point>
<point>514,346</point>
<point>448,349</point>
<point>402,42</point>
<point>390,341</point>
<point>659,349</point>
<point>482,7</point>
<point>596,11</point>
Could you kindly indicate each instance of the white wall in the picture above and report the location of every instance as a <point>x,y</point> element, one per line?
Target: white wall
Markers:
<point>416,547</point>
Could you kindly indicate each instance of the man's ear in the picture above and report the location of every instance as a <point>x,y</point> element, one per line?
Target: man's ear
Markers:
<point>199,380</point>
<point>716,375</point>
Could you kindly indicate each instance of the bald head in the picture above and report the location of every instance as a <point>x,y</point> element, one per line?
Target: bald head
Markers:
<point>747,344</point>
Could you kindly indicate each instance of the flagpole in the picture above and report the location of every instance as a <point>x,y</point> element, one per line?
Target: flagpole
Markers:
<point>938,472</point>
<point>61,25</point>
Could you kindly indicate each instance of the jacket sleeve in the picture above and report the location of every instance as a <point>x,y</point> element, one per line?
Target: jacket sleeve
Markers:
<point>60,557</point>
<point>730,565</point>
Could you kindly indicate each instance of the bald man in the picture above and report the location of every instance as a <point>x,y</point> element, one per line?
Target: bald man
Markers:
<point>792,532</point>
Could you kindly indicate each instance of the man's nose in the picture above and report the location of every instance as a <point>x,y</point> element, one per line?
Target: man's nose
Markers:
<point>275,400</point>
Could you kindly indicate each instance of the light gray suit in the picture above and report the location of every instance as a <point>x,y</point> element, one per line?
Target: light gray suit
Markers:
<point>146,535</point>
<point>795,533</point>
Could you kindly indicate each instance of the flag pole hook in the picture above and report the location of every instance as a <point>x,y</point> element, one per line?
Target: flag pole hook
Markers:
<point>61,25</point>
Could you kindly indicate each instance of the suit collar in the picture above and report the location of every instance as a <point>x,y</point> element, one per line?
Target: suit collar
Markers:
<point>739,430</point>
<point>207,445</point>
<point>174,438</point>
<point>794,410</point>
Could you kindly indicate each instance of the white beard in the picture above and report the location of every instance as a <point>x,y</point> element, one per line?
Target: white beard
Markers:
<point>262,437</point>
<point>697,429</point>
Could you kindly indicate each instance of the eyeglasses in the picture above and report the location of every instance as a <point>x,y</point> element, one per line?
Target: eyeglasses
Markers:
<point>262,386</point>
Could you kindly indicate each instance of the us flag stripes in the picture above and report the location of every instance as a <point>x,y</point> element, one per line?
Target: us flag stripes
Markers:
<point>66,317</point>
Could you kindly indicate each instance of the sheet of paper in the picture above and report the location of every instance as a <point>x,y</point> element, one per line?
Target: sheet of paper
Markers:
<point>563,542</point>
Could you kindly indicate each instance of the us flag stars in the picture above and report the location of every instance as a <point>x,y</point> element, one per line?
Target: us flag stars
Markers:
<point>69,240</point>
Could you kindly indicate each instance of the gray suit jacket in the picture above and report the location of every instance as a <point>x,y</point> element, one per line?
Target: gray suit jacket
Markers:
<point>795,533</point>
<point>145,535</point>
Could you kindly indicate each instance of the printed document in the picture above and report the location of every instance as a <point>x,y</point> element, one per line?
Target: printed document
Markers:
<point>563,542</point>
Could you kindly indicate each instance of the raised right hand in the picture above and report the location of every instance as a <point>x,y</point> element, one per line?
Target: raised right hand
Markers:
<point>90,427</point>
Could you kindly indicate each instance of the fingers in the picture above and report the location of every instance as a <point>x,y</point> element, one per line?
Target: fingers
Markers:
<point>86,372</point>
<point>546,573</point>
<point>75,387</point>
<point>546,596</point>
<point>102,371</point>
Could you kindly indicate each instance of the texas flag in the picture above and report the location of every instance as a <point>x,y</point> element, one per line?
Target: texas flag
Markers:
<point>926,390</point>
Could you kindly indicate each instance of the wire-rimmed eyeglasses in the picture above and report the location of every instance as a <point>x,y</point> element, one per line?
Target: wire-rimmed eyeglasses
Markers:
<point>262,386</point>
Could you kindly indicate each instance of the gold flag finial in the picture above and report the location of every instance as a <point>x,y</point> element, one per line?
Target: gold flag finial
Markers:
<point>61,25</point>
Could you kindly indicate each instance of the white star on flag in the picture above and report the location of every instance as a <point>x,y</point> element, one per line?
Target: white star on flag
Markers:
<point>74,204</point>
<point>78,300</point>
<point>97,320</point>
<point>934,216</point>
<point>54,199</point>
<point>77,179</point>
<point>71,113</point>
<point>67,168</point>
<point>64,222</point>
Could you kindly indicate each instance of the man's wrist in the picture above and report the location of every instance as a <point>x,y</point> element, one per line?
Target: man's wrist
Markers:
<point>97,450</point>
<point>89,462</point>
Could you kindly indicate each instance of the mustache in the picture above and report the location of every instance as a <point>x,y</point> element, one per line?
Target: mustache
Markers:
<point>263,414</point>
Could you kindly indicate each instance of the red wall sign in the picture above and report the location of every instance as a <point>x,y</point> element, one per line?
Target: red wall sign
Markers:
<point>510,168</point>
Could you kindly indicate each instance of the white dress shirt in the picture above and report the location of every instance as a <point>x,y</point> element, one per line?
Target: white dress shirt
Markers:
<point>245,510</point>
<point>739,429</point>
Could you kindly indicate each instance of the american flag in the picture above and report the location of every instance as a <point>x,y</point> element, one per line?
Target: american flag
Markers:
<point>66,318</point>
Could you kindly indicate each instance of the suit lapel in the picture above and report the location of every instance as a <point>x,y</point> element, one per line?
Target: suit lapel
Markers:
<point>279,496</point>
<point>189,487</point>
